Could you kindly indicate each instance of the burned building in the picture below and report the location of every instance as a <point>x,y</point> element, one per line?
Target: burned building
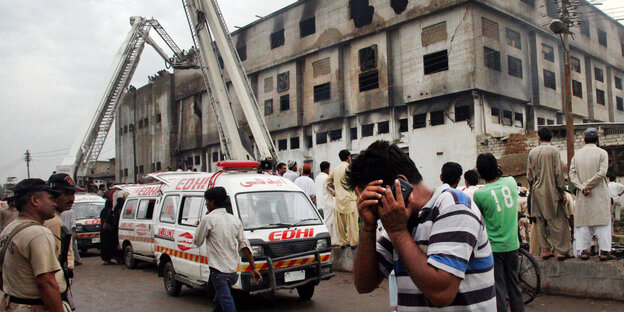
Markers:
<point>431,75</point>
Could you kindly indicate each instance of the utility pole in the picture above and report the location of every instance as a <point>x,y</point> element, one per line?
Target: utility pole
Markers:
<point>28,159</point>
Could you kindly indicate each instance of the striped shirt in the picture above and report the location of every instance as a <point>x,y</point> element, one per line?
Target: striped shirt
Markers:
<point>451,232</point>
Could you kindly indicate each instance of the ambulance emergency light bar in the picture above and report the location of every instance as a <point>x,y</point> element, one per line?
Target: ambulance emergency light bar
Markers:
<point>232,165</point>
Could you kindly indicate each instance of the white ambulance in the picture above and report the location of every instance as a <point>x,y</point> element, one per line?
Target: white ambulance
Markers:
<point>87,208</point>
<point>290,243</point>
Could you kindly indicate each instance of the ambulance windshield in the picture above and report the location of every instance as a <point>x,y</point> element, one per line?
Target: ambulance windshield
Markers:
<point>281,209</point>
<point>87,210</point>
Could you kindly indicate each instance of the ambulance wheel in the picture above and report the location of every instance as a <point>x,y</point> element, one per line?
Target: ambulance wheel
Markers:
<point>172,286</point>
<point>129,258</point>
<point>306,291</point>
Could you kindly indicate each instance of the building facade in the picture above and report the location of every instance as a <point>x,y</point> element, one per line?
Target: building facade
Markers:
<point>431,75</point>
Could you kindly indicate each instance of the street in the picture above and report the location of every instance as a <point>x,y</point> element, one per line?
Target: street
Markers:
<point>100,287</point>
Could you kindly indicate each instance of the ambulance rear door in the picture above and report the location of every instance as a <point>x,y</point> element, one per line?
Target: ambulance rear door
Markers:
<point>143,232</point>
<point>189,257</point>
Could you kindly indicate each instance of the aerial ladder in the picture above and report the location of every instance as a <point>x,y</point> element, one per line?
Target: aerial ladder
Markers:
<point>86,149</point>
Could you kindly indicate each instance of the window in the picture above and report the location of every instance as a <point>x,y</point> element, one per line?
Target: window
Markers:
<point>284,102</point>
<point>215,156</point>
<point>619,103</point>
<point>602,37</point>
<point>268,84</point>
<point>462,113</point>
<point>146,209</point>
<point>489,28</point>
<point>121,131</point>
<point>491,58</point>
<point>146,122</point>
<point>369,80</point>
<point>383,127</point>
<point>140,124</point>
<point>335,135</point>
<point>550,122</point>
<point>189,161</point>
<point>354,133</point>
<point>618,83</point>
<point>141,169</point>
<point>307,27</point>
<point>158,118</point>
<point>368,58</point>
<point>321,67</point>
<point>242,53</point>
<point>434,33</point>
<point>513,38</point>
<point>559,118</point>
<point>437,118</point>
<point>277,39</point>
<point>197,160</point>
<point>158,166</point>
<point>507,118</point>
<point>125,129</point>
<point>321,137</point>
<point>268,107</point>
<point>131,128</point>
<point>420,121</point>
<point>495,115</point>
<point>540,121</point>
<point>600,97</point>
<point>125,172</point>
<point>585,27</point>
<point>282,145</point>
<point>519,120</point>
<point>598,74</point>
<point>322,92</point>
<point>552,8</point>
<point>130,209</point>
<point>367,130</point>
<point>575,64</point>
<point>403,125</point>
<point>549,80</point>
<point>294,143</point>
<point>191,210</point>
<point>283,82</point>
<point>548,53</point>
<point>309,141</point>
<point>435,62</point>
<point>577,89</point>
<point>514,66</point>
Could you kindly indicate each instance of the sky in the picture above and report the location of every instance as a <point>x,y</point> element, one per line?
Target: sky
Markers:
<point>55,56</point>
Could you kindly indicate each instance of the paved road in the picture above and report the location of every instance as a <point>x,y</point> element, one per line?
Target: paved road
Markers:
<point>100,287</point>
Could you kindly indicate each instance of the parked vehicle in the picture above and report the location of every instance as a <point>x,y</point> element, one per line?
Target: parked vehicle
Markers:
<point>87,208</point>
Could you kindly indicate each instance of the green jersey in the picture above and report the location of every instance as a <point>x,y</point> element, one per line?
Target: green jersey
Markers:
<point>498,203</point>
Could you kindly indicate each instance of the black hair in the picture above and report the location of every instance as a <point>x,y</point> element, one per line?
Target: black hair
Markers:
<point>451,173</point>
<point>591,140</point>
<point>324,165</point>
<point>487,166</point>
<point>306,170</point>
<point>612,178</point>
<point>381,161</point>
<point>344,154</point>
<point>280,165</point>
<point>22,199</point>
<point>544,134</point>
<point>472,177</point>
<point>218,195</point>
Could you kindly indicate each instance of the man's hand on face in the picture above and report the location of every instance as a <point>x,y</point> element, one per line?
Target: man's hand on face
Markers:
<point>368,202</point>
<point>393,212</point>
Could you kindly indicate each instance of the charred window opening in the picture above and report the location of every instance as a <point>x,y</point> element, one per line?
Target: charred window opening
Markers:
<point>309,141</point>
<point>540,121</point>
<point>125,172</point>
<point>335,135</point>
<point>189,161</point>
<point>369,80</point>
<point>550,80</point>
<point>618,83</point>
<point>489,28</point>
<point>141,124</point>
<point>420,121</point>
<point>462,113</point>
<point>548,52</point>
<point>321,138</point>
<point>215,156</point>
<point>437,118</point>
<point>519,120</point>
<point>146,122</point>
<point>403,125</point>
<point>307,27</point>
<point>383,127</point>
<point>575,64</point>
<point>242,53</point>
<point>507,118</point>
<point>515,66</point>
<point>552,8</point>
<point>284,102</point>
<point>268,107</point>
<point>602,37</point>
<point>619,103</point>
<point>585,28</point>
<point>600,97</point>
<point>577,89</point>
<point>158,166</point>
<point>492,58</point>
<point>277,39</point>
<point>368,58</point>
<point>322,92</point>
<point>268,84</point>
<point>495,113</point>
<point>197,160</point>
<point>282,145</point>
<point>436,62</point>
<point>283,82</point>
<point>158,118</point>
<point>550,122</point>
<point>398,5</point>
<point>513,38</point>
<point>361,12</point>
<point>294,143</point>
<point>141,171</point>
<point>121,131</point>
<point>368,130</point>
<point>131,128</point>
<point>598,74</point>
<point>354,133</point>
<point>125,130</point>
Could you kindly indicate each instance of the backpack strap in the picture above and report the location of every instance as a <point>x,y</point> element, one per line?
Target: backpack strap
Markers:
<point>9,238</point>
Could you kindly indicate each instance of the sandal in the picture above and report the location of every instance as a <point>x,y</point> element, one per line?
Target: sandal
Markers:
<point>563,257</point>
<point>607,257</point>
<point>546,256</point>
<point>584,256</point>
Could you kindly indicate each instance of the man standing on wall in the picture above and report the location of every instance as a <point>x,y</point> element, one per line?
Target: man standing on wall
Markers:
<point>547,191</point>
<point>325,201</point>
<point>346,208</point>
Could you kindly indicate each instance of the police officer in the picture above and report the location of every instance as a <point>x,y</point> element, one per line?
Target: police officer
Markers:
<point>63,184</point>
<point>32,279</point>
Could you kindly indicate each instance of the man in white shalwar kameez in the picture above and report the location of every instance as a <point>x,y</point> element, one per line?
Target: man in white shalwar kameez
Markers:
<point>325,202</point>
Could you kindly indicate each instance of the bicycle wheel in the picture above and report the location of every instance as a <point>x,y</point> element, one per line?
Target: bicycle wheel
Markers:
<point>529,276</point>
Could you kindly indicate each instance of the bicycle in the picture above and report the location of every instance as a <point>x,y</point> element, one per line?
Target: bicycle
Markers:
<point>528,275</point>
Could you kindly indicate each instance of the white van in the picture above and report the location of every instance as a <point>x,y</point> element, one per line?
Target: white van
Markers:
<point>290,243</point>
<point>87,208</point>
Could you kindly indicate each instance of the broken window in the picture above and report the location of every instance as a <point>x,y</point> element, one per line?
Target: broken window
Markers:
<point>515,66</point>
<point>335,135</point>
<point>420,121</point>
<point>495,115</point>
<point>322,92</point>
<point>368,58</point>
<point>268,107</point>
<point>268,84</point>
<point>492,58</point>
<point>462,113</point>
<point>618,83</point>
<point>367,130</point>
<point>361,12</point>
<point>354,133</point>
<point>507,118</point>
<point>321,137</point>
<point>489,28</point>
<point>284,102</point>
<point>283,82</point>
<point>321,67</point>
<point>513,38</point>
<point>548,53</point>
<point>602,37</point>
<point>550,80</point>
<point>158,118</point>
<point>436,62</point>
<point>577,89</point>
<point>598,74</point>
<point>307,27</point>
<point>552,8</point>
<point>519,120</point>
<point>197,160</point>
<point>277,39</point>
<point>434,33</point>
<point>403,125</point>
<point>540,121</point>
<point>437,118</point>
<point>398,5</point>
<point>619,103</point>
<point>242,53</point>
<point>383,127</point>
<point>600,97</point>
<point>550,122</point>
<point>575,64</point>
<point>585,27</point>
<point>294,143</point>
<point>282,145</point>
<point>369,80</point>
